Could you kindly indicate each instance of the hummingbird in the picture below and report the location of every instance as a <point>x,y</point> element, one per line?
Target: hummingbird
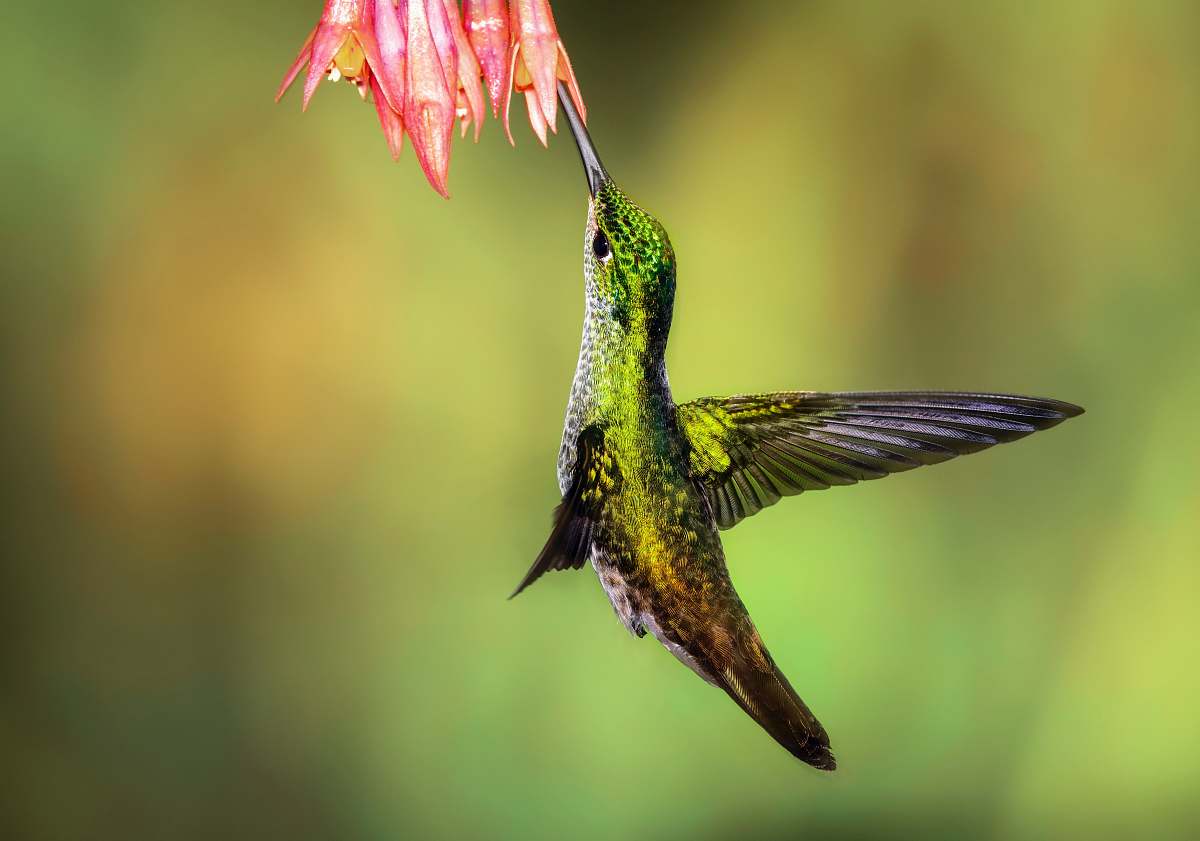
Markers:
<point>648,484</point>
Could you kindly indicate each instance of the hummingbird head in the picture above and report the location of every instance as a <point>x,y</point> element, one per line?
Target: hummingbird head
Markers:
<point>629,265</point>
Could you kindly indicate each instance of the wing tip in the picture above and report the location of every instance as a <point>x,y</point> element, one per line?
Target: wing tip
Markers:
<point>1051,412</point>
<point>1070,409</point>
<point>533,575</point>
<point>540,565</point>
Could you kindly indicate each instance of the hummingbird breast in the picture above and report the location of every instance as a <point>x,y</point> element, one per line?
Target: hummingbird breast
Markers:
<point>616,383</point>
<point>657,553</point>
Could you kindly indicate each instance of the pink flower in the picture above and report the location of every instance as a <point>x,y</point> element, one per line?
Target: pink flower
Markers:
<point>468,90</point>
<point>421,61</point>
<point>341,46</point>
<point>354,43</point>
<point>537,59</point>
<point>487,30</point>
<point>428,105</point>
<point>389,34</point>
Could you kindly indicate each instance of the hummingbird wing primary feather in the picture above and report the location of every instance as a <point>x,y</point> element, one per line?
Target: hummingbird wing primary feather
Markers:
<point>577,518</point>
<point>750,450</point>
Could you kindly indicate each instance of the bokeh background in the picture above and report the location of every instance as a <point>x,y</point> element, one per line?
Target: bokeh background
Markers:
<point>280,425</point>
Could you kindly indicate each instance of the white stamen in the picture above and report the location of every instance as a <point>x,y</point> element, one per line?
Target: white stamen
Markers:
<point>489,24</point>
<point>334,73</point>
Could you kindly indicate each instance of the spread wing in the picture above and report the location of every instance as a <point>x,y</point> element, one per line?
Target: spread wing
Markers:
<point>578,516</point>
<point>749,450</point>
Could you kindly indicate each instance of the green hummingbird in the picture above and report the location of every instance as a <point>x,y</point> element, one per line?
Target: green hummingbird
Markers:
<point>647,484</point>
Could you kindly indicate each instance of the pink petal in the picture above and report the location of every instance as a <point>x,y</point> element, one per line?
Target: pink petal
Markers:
<point>487,31</point>
<point>389,36</point>
<point>514,56</point>
<point>332,31</point>
<point>294,70</point>
<point>428,106</point>
<point>443,41</point>
<point>536,119</point>
<point>325,47</point>
<point>343,12</point>
<point>567,74</point>
<point>364,34</point>
<point>389,120</point>
<point>533,27</point>
<point>468,71</point>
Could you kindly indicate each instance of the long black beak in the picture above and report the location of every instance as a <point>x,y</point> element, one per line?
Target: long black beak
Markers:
<point>597,175</point>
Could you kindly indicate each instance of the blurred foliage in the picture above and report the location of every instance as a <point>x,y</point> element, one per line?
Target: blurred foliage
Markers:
<point>280,429</point>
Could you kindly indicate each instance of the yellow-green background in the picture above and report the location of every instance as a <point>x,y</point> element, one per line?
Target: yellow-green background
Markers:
<point>279,430</point>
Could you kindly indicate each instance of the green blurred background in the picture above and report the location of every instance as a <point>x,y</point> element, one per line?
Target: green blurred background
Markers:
<point>280,427</point>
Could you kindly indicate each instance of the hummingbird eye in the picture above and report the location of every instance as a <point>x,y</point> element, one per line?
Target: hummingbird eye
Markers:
<point>600,246</point>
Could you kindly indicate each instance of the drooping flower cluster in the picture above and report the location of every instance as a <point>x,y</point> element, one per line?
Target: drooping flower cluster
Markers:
<point>422,62</point>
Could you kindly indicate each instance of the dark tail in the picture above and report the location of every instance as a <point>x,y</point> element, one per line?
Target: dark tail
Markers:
<point>743,667</point>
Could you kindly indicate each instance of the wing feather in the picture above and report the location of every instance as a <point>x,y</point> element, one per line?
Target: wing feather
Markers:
<point>750,450</point>
<point>578,516</point>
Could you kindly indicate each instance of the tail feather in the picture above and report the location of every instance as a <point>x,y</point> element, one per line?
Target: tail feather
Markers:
<point>744,668</point>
